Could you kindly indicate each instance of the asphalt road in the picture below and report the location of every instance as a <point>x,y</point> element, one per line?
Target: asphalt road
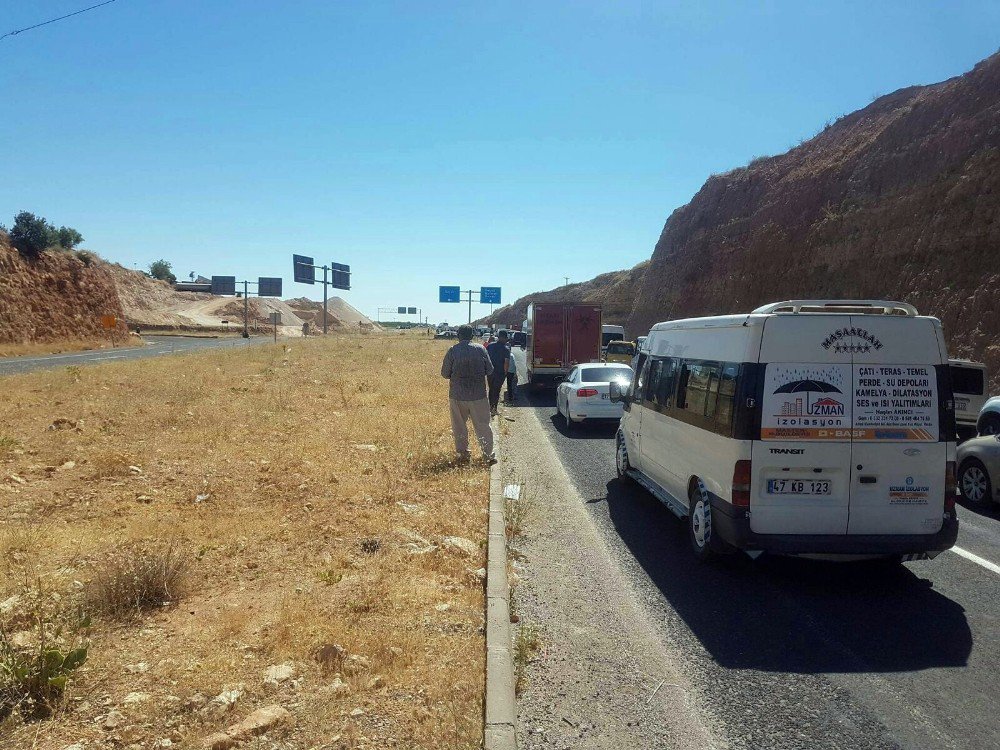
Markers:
<point>155,346</point>
<point>789,653</point>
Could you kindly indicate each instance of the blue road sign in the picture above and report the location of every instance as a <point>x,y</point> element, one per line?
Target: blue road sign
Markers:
<point>489,295</point>
<point>223,285</point>
<point>450,294</point>
<point>268,286</point>
<point>411,311</point>
<point>302,269</point>
<point>340,276</point>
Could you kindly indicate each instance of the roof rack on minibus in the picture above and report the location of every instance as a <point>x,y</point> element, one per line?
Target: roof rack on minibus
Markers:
<point>865,306</point>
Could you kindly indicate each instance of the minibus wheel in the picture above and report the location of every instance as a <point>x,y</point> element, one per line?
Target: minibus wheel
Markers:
<point>622,465</point>
<point>705,543</point>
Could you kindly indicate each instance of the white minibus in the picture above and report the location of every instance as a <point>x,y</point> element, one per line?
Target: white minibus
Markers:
<point>809,427</point>
<point>611,333</point>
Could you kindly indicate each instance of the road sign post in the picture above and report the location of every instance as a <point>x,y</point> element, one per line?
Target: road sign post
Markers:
<point>305,273</point>
<point>488,295</point>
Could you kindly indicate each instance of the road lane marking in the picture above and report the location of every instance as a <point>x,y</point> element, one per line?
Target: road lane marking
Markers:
<point>977,559</point>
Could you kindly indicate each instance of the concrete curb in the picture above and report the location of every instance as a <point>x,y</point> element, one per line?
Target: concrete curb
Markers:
<point>501,712</point>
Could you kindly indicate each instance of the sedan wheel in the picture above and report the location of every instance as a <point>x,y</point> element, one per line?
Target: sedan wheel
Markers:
<point>975,483</point>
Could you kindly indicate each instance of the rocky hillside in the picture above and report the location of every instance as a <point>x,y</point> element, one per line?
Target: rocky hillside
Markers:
<point>615,291</point>
<point>54,297</point>
<point>899,200</point>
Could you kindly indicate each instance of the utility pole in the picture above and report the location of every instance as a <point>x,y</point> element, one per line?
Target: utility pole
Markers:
<point>567,280</point>
<point>246,311</point>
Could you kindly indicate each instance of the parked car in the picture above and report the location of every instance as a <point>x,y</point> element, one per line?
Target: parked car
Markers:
<point>808,427</point>
<point>620,351</point>
<point>584,393</point>
<point>978,466</point>
<point>989,417</point>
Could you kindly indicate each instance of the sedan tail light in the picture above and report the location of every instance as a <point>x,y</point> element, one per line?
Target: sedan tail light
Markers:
<point>584,392</point>
<point>950,487</point>
<point>741,484</point>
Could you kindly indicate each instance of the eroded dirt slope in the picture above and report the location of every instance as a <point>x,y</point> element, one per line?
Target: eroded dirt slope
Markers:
<point>898,200</point>
<point>614,291</point>
<point>57,296</point>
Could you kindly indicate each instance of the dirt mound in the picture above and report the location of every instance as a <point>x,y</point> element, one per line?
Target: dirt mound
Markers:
<point>152,304</point>
<point>898,200</point>
<point>57,296</point>
<point>340,315</point>
<point>615,291</point>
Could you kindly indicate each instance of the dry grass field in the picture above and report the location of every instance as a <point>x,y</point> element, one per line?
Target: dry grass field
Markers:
<point>224,531</point>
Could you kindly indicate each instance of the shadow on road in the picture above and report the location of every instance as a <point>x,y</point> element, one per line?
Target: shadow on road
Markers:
<point>790,615</point>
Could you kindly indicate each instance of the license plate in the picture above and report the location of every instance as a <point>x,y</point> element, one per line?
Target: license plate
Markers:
<point>604,396</point>
<point>798,487</point>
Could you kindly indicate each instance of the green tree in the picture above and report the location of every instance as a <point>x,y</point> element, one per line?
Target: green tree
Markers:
<point>32,234</point>
<point>69,238</point>
<point>161,269</point>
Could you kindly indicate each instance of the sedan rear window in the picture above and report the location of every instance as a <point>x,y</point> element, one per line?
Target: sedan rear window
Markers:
<point>605,374</point>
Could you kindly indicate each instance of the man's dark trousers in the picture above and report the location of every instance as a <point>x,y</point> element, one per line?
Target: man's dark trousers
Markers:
<point>496,383</point>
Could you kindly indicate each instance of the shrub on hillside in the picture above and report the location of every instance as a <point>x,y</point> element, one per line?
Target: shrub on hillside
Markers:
<point>162,270</point>
<point>32,234</point>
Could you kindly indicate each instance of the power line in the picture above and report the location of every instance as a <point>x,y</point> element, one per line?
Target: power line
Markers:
<point>53,20</point>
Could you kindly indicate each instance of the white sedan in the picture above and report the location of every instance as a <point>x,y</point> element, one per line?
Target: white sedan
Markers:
<point>584,392</point>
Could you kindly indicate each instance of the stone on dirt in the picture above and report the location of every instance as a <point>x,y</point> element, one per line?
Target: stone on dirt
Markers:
<point>461,544</point>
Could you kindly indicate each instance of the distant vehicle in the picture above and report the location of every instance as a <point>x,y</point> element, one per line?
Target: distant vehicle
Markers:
<point>809,427</point>
<point>989,417</point>
<point>640,340</point>
<point>968,382</point>
<point>583,395</point>
<point>979,470</point>
<point>446,335</point>
<point>620,351</point>
<point>514,337</point>
<point>559,337</point>
<point>611,333</point>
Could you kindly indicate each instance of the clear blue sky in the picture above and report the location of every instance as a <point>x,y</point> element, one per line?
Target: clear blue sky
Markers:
<point>506,144</point>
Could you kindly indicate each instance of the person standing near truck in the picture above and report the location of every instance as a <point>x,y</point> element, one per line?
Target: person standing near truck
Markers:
<point>511,378</point>
<point>467,365</point>
<point>499,352</point>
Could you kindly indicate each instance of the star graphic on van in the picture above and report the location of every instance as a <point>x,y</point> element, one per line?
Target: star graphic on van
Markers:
<point>799,386</point>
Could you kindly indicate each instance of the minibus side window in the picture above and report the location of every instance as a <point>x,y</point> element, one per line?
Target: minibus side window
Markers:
<point>727,396</point>
<point>665,385</point>
<point>652,382</point>
<point>702,388</point>
<point>684,375</point>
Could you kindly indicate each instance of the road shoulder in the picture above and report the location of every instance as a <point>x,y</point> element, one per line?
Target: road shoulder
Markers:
<point>602,678</point>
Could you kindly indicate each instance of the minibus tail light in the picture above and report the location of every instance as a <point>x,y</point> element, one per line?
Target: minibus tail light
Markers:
<point>950,487</point>
<point>584,392</point>
<point>741,484</point>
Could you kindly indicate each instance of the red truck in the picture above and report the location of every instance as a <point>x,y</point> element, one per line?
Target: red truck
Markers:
<point>559,337</point>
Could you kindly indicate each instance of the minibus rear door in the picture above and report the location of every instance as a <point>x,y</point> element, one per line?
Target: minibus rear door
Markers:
<point>898,460</point>
<point>801,466</point>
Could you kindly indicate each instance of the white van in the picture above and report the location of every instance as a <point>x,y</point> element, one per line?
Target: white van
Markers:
<point>810,427</point>
<point>968,381</point>
<point>611,333</point>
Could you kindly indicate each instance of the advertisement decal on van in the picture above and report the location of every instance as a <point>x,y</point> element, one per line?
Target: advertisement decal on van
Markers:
<point>806,402</point>
<point>845,402</point>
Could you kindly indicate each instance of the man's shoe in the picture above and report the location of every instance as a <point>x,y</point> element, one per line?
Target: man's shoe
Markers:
<point>492,460</point>
<point>463,458</point>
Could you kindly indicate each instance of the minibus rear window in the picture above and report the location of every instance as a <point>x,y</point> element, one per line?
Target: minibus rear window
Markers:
<point>967,380</point>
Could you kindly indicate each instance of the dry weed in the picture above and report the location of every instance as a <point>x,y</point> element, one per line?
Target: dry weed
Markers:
<point>136,579</point>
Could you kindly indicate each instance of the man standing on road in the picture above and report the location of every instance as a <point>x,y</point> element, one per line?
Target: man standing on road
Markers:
<point>467,365</point>
<point>499,353</point>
